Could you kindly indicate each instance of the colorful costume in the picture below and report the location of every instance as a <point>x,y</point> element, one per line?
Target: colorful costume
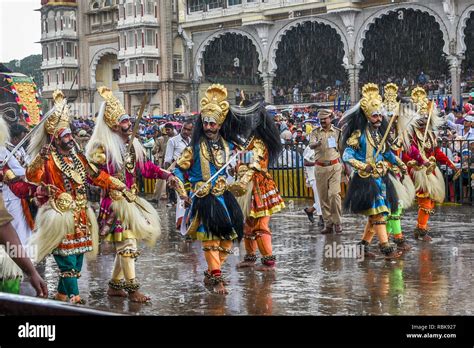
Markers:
<point>371,193</point>
<point>261,198</point>
<point>214,217</point>
<point>403,183</point>
<point>422,154</point>
<point>66,225</point>
<point>17,192</point>
<point>10,274</point>
<point>123,219</point>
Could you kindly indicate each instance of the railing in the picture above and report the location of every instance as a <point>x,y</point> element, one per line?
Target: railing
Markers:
<point>462,154</point>
<point>288,173</point>
<point>313,97</point>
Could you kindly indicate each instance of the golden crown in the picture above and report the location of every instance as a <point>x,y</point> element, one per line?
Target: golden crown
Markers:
<point>371,101</point>
<point>214,104</point>
<point>390,98</point>
<point>60,117</point>
<point>113,107</point>
<point>420,99</point>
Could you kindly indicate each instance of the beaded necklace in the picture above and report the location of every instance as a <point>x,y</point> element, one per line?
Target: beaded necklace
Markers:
<point>216,145</point>
<point>71,171</point>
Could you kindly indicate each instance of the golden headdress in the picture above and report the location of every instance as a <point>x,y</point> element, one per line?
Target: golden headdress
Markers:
<point>113,108</point>
<point>371,102</point>
<point>391,105</point>
<point>420,99</point>
<point>214,105</point>
<point>60,117</point>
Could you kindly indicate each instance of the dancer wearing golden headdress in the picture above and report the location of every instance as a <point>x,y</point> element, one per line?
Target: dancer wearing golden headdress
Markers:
<point>66,225</point>
<point>371,191</point>
<point>398,118</point>
<point>214,216</point>
<point>422,155</point>
<point>124,220</point>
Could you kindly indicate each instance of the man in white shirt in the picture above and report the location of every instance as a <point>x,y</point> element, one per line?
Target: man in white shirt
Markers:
<point>464,130</point>
<point>175,147</point>
<point>177,144</point>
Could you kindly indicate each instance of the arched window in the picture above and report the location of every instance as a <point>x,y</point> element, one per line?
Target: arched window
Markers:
<point>178,66</point>
<point>95,5</point>
<point>108,3</point>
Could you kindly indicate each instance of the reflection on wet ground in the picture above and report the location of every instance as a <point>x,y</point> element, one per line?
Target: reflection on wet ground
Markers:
<point>432,279</point>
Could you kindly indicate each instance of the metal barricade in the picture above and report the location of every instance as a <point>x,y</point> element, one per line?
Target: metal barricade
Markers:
<point>461,153</point>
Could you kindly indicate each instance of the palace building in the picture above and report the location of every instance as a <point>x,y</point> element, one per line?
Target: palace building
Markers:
<point>132,46</point>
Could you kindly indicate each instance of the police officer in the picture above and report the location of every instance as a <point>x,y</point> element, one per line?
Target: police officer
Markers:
<point>328,168</point>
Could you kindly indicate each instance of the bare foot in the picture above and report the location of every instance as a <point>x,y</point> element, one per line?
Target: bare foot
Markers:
<point>77,300</point>
<point>245,264</point>
<point>116,292</point>
<point>265,268</point>
<point>395,254</point>
<point>60,297</point>
<point>137,296</point>
<point>426,238</point>
<point>207,281</point>
<point>220,289</point>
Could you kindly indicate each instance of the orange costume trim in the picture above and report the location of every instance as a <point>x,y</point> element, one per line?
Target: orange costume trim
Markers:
<point>46,172</point>
<point>264,202</point>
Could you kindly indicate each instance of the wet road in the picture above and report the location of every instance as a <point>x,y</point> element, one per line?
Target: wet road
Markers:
<point>313,277</point>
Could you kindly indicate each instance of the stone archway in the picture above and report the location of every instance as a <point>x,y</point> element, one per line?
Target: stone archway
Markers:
<point>272,52</point>
<point>466,51</point>
<point>365,27</point>
<point>461,35</point>
<point>104,68</point>
<point>184,107</point>
<point>95,61</point>
<point>198,58</point>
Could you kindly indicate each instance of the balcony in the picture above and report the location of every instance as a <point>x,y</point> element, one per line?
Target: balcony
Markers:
<point>140,78</point>
<point>131,21</point>
<point>269,7</point>
<point>132,52</point>
<point>66,86</point>
<point>59,62</point>
<point>68,33</point>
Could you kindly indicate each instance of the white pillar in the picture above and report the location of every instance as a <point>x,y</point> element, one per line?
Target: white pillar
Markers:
<point>353,72</point>
<point>267,87</point>
<point>455,72</point>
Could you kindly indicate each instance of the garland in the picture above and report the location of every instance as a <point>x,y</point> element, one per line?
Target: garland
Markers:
<point>12,82</point>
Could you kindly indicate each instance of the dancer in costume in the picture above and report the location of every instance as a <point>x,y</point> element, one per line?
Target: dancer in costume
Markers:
<point>370,192</point>
<point>214,216</point>
<point>66,225</point>
<point>13,263</point>
<point>422,155</point>
<point>121,222</point>
<point>255,131</point>
<point>399,119</point>
<point>17,193</point>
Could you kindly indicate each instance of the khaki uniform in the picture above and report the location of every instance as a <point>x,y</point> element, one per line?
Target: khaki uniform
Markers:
<point>159,150</point>
<point>5,216</point>
<point>328,171</point>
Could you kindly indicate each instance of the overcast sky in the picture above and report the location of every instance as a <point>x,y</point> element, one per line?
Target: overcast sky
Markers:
<point>20,28</point>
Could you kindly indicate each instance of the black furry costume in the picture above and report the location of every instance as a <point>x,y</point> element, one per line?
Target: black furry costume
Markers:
<point>239,126</point>
<point>362,192</point>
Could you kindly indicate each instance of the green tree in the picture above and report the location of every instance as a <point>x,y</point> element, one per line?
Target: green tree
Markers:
<point>30,66</point>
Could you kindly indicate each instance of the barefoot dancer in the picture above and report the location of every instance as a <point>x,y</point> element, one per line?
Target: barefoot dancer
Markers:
<point>215,217</point>
<point>121,222</point>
